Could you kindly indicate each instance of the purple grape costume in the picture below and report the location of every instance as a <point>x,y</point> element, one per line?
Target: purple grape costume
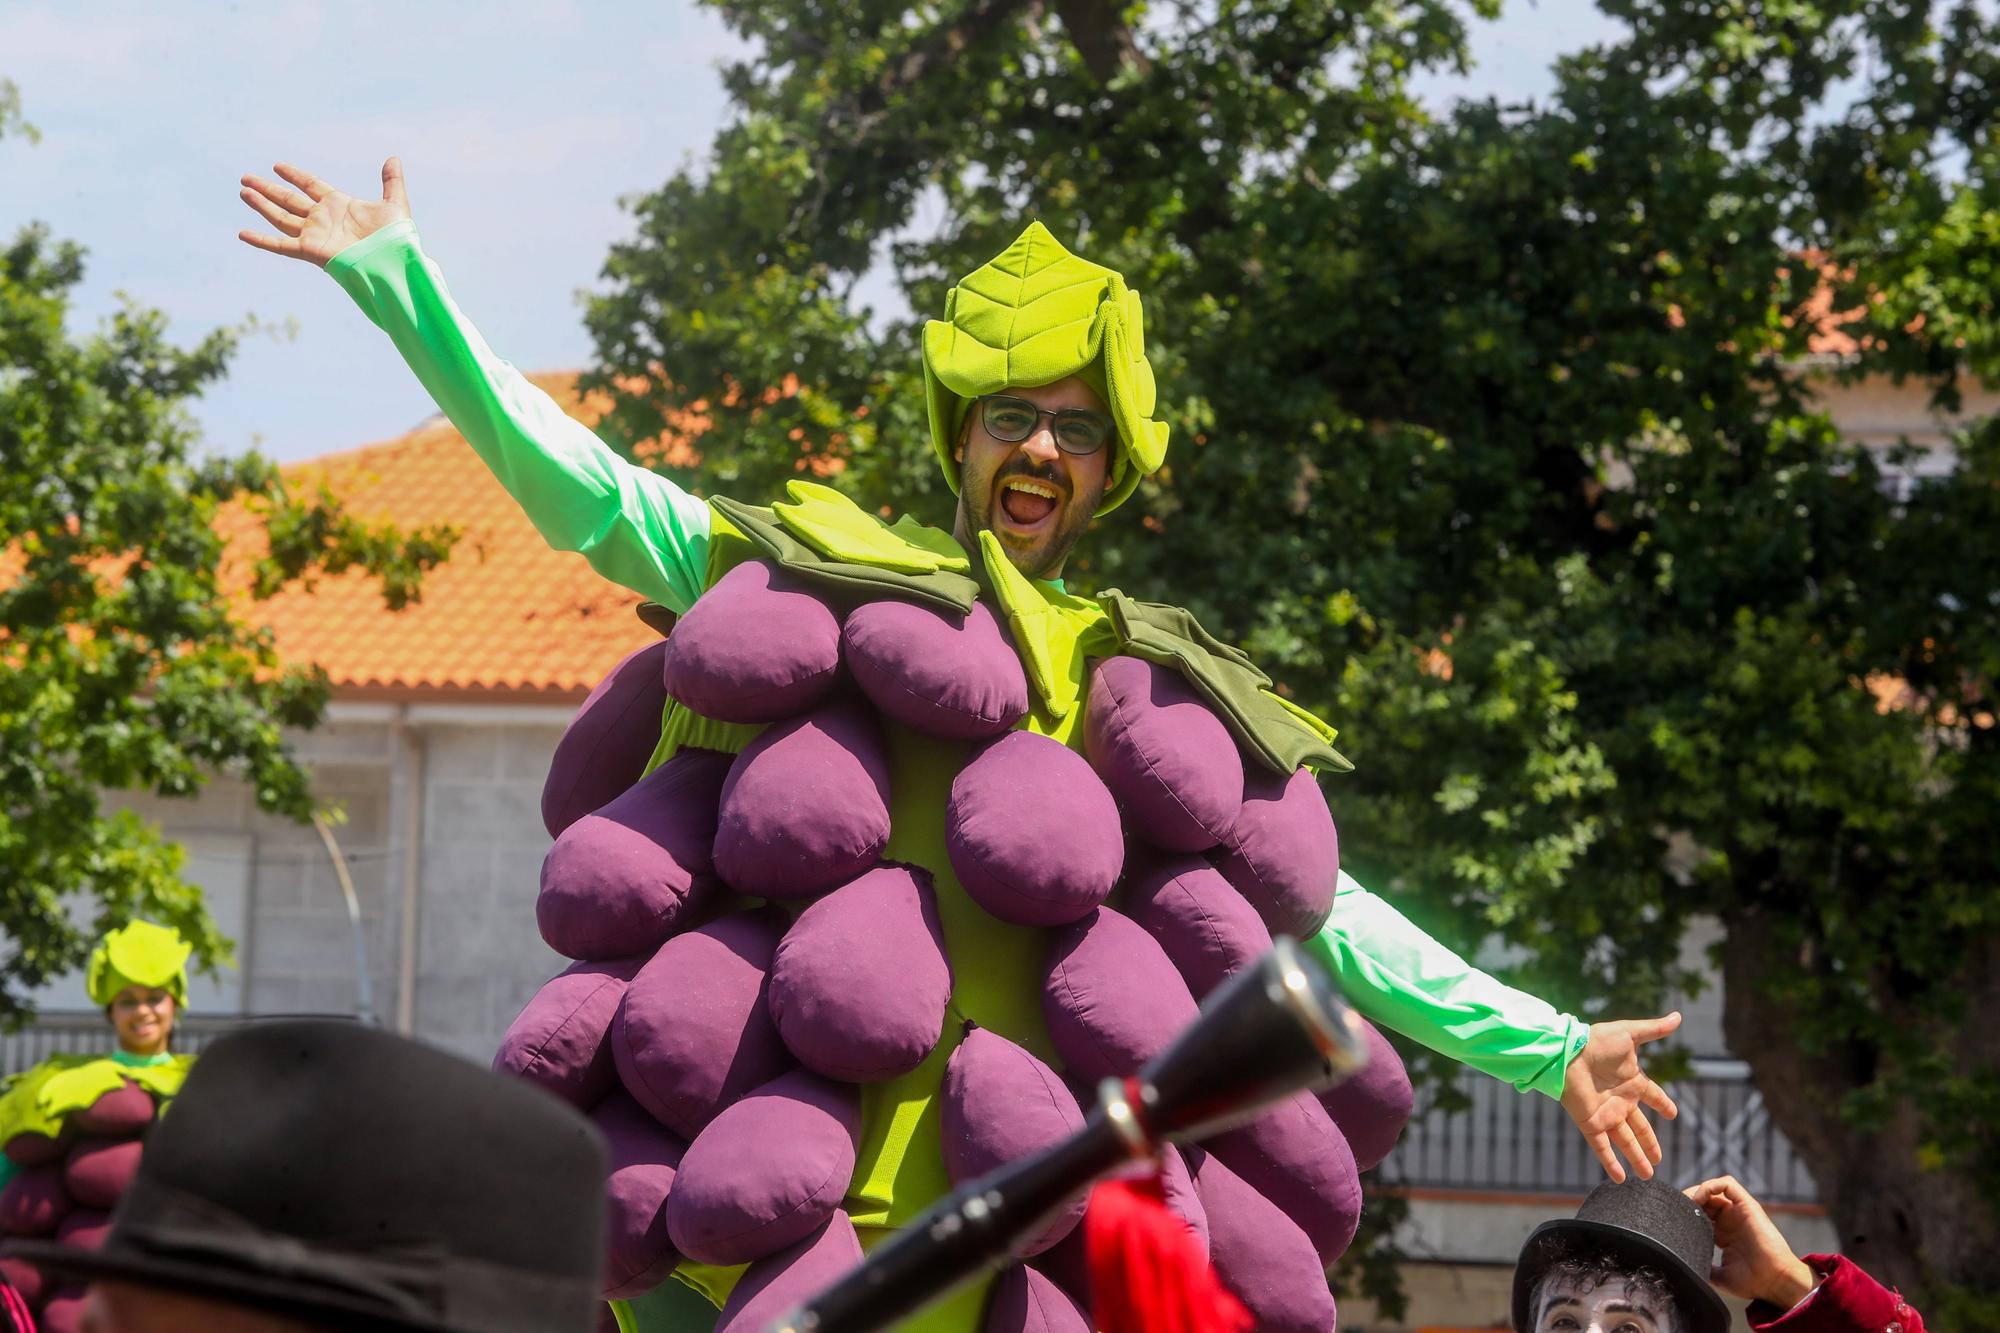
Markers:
<point>922,846</point>
<point>72,1127</point>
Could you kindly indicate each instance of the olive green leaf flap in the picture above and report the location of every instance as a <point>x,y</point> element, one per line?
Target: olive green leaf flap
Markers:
<point>760,526</point>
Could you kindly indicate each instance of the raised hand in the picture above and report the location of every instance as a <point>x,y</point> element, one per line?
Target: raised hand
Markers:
<point>1757,1262</point>
<point>1605,1091</point>
<point>316,221</point>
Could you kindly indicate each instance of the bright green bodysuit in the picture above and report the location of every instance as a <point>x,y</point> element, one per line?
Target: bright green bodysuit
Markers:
<point>645,533</point>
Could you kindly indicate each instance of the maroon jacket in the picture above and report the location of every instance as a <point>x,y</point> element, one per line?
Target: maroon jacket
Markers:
<point>1847,1300</point>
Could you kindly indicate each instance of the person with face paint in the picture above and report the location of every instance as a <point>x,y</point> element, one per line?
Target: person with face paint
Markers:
<point>1634,1259</point>
<point>1040,403</point>
<point>70,1128</point>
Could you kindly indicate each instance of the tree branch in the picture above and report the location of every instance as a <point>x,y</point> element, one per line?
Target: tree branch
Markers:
<point>1103,38</point>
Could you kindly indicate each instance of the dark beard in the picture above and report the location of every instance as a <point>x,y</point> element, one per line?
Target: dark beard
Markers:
<point>1050,555</point>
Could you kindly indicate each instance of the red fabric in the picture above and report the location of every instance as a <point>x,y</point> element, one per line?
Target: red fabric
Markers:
<point>1847,1300</point>
<point>15,1310</point>
<point>1147,1271</point>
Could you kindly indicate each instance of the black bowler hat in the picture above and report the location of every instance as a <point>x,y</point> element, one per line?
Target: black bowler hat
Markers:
<point>1640,1224</point>
<point>342,1175</point>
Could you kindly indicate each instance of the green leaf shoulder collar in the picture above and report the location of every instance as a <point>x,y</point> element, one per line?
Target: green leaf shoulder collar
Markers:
<point>824,538</point>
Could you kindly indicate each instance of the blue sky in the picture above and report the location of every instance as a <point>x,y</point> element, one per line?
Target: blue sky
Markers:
<point>520,125</point>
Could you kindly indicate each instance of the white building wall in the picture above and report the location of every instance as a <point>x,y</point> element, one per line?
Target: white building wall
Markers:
<point>272,886</point>
<point>479,957</point>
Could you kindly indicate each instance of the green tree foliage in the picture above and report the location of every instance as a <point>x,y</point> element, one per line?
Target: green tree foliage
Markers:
<point>1495,442</point>
<point>124,662</point>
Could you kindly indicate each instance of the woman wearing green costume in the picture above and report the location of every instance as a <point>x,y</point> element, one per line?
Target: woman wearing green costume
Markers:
<point>68,1126</point>
<point>1057,342</point>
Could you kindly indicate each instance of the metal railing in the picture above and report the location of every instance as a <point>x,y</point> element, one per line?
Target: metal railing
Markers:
<point>1502,1141</point>
<point>1514,1143</point>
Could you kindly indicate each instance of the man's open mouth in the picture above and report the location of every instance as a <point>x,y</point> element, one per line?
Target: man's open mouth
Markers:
<point>1027,503</point>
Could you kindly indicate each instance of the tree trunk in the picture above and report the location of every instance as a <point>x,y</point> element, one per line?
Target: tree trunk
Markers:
<point>1915,1229</point>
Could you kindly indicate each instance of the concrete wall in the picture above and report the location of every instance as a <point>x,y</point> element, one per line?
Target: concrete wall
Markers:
<point>479,957</point>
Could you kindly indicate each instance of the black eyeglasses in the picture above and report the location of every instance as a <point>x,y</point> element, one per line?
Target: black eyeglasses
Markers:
<point>1077,430</point>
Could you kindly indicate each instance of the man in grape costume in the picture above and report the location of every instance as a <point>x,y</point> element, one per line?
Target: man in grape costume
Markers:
<point>71,1127</point>
<point>895,847</point>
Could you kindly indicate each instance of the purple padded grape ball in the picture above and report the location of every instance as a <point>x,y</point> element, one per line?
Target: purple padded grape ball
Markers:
<point>1032,834</point>
<point>955,678</point>
<point>36,1149</point>
<point>62,1312</point>
<point>773,1287</point>
<point>121,1113</point>
<point>806,805</point>
<point>754,648</point>
<point>1025,1301</point>
<point>1260,1255</point>
<point>85,1228</point>
<point>1372,1107</point>
<point>828,995</point>
<point>1282,853</point>
<point>561,1041</point>
<point>605,747</point>
<point>1112,998</point>
<point>644,1163</point>
<point>693,1031</point>
<point>34,1202</point>
<point>999,1104</point>
<point>1209,930</point>
<point>768,1171</point>
<point>1295,1156</point>
<point>1164,753</point>
<point>26,1279</point>
<point>621,879</point>
<point>99,1171</point>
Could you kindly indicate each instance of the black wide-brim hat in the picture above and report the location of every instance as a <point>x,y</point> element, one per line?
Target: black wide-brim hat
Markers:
<point>348,1177</point>
<point>1636,1224</point>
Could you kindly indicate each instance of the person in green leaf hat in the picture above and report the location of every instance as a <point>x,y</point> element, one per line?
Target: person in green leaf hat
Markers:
<point>1041,407</point>
<point>138,975</point>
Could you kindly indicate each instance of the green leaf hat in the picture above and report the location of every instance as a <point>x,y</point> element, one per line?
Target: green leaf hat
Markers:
<point>140,954</point>
<point>1030,316</point>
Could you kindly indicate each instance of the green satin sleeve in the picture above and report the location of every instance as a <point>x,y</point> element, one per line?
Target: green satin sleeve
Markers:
<point>636,527</point>
<point>1402,979</point>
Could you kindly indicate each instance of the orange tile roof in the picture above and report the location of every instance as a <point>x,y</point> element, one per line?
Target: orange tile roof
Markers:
<point>504,618</point>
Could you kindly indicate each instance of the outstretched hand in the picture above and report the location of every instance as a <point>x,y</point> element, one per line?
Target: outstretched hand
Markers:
<point>316,221</point>
<point>1605,1092</point>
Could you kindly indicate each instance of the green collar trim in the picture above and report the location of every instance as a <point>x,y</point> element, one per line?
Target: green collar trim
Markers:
<point>1053,631</point>
<point>131,1061</point>
<point>773,537</point>
<point>826,539</point>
